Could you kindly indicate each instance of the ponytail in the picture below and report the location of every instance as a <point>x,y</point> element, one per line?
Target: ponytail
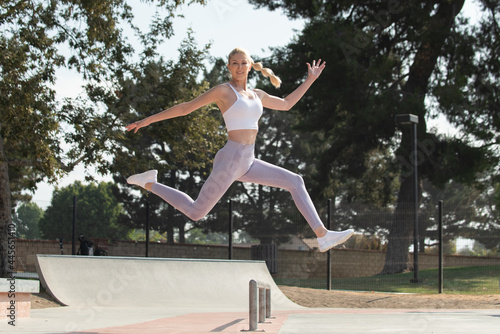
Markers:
<point>267,72</point>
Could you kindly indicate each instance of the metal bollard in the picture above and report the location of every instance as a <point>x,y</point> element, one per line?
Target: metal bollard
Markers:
<point>253,305</point>
<point>268,303</point>
<point>262,305</point>
<point>259,303</point>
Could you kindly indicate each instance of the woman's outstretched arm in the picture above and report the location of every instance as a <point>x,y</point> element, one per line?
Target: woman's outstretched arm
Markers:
<point>211,96</point>
<point>277,103</point>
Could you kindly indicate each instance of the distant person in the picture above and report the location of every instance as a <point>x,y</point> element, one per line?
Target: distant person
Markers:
<point>241,109</point>
<point>86,246</point>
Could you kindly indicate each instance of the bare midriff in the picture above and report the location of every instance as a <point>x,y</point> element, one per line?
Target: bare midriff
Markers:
<point>245,137</point>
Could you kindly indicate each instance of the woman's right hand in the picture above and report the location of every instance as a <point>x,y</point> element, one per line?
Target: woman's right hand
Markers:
<point>137,125</point>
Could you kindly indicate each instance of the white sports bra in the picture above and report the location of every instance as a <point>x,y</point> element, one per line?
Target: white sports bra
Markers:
<point>244,113</point>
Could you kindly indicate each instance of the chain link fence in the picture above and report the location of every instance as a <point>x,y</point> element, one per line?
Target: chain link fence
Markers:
<point>282,238</point>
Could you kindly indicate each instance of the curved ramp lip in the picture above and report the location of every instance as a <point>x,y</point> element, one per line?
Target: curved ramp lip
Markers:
<point>43,282</point>
<point>90,281</point>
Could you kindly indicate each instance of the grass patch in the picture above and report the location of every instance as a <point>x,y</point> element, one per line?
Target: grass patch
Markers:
<point>457,280</point>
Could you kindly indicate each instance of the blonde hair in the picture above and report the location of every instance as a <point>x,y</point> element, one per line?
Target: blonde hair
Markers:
<point>267,72</point>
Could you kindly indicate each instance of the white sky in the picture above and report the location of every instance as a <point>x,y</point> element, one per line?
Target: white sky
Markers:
<point>225,24</point>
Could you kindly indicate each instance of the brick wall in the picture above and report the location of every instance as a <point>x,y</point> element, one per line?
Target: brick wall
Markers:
<point>291,263</point>
<point>26,251</point>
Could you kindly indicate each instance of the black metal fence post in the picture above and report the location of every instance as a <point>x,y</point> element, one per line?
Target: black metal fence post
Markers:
<point>230,230</point>
<point>147,228</point>
<point>329,253</point>
<point>73,237</point>
<point>440,246</point>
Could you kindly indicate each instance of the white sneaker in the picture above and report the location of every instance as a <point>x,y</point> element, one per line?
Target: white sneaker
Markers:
<point>333,238</point>
<point>143,178</point>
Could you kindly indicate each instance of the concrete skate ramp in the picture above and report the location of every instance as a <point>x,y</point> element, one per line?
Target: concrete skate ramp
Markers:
<point>94,281</point>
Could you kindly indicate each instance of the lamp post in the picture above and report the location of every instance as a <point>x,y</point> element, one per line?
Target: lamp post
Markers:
<point>412,120</point>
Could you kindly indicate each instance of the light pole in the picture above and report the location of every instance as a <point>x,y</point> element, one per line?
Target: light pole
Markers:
<point>413,121</point>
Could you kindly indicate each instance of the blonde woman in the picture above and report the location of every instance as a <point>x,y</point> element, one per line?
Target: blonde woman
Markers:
<point>241,109</point>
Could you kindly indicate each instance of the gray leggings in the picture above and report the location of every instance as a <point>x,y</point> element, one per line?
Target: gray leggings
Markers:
<point>236,162</point>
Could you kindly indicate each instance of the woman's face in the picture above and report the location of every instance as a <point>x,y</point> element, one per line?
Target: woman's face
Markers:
<point>239,66</point>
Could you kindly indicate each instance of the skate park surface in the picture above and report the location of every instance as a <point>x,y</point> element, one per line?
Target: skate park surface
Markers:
<point>153,295</point>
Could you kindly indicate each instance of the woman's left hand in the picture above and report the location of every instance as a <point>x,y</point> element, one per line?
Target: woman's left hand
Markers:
<point>316,68</point>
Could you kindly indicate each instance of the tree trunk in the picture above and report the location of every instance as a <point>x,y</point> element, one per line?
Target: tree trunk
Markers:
<point>399,240</point>
<point>170,225</point>
<point>265,235</point>
<point>182,233</point>
<point>422,226</point>
<point>7,229</point>
<point>171,211</point>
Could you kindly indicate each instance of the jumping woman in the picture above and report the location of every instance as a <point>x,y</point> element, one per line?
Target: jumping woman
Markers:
<point>241,109</point>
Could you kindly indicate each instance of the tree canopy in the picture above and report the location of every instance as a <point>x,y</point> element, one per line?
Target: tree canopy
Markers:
<point>26,218</point>
<point>97,213</point>
<point>387,58</point>
<point>180,149</point>
<point>40,137</point>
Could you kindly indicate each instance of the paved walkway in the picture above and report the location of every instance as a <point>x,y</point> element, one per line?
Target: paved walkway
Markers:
<point>308,321</point>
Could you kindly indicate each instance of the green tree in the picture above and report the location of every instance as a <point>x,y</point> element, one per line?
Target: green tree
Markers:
<point>199,237</point>
<point>33,126</point>
<point>26,218</point>
<point>468,212</point>
<point>140,235</point>
<point>496,201</point>
<point>449,248</point>
<point>389,58</point>
<point>97,213</point>
<point>181,149</point>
